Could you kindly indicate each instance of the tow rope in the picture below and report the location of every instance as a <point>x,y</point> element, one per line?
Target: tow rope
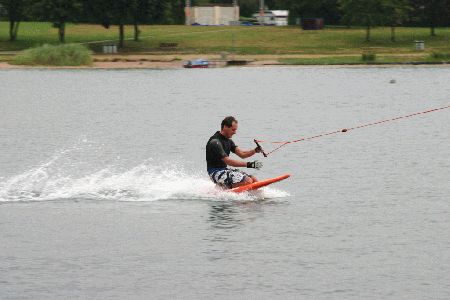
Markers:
<point>282,144</point>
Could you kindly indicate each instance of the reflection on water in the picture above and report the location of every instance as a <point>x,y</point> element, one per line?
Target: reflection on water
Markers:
<point>224,215</point>
<point>232,214</point>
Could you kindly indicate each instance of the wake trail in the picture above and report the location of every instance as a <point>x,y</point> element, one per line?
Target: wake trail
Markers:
<point>145,182</point>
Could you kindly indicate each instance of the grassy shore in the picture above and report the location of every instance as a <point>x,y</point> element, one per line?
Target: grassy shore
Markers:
<point>343,45</point>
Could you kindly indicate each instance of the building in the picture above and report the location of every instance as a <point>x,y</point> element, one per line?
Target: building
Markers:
<point>212,15</point>
<point>273,17</point>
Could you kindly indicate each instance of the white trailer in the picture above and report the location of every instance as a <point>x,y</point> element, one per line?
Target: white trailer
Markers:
<point>273,17</point>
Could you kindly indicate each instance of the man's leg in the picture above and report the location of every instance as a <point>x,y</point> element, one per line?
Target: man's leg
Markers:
<point>247,180</point>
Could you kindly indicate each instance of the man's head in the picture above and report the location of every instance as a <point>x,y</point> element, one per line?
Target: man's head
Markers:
<point>229,126</point>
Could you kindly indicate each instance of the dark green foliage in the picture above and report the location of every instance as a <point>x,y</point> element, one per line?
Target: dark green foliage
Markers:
<point>174,12</point>
<point>432,13</point>
<point>326,9</point>
<point>368,13</point>
<point>248,7</point>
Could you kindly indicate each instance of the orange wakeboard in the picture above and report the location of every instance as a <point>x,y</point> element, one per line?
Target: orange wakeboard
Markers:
<point>258,184</point>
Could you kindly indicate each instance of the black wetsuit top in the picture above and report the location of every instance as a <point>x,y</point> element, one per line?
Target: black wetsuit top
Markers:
<point>218,147</point>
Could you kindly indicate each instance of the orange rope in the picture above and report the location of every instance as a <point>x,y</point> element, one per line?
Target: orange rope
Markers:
<point>352,128</point>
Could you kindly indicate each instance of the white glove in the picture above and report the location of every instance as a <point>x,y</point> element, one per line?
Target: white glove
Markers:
<point>254,164</point>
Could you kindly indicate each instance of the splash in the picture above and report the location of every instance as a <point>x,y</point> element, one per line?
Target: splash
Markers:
<point>144,182</point>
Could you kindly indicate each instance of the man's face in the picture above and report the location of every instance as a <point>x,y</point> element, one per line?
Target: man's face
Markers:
<point>230,131</point>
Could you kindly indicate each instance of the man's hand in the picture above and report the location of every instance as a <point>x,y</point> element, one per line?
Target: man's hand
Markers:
<point>254,164</point>
<point>258,149</point>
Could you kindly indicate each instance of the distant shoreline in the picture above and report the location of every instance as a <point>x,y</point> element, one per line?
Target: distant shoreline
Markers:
<point>168,46</point>
<point>177,64</point>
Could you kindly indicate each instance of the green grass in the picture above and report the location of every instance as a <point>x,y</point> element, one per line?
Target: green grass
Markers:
<point>249,40</point>
<point>49,55</point>
<point>357,60</point>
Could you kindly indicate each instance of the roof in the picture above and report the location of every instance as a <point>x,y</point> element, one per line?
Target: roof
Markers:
<point>214,4</point>
<point>280,13</point>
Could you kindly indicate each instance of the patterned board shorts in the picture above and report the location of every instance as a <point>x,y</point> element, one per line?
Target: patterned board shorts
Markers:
<point>227,177</point>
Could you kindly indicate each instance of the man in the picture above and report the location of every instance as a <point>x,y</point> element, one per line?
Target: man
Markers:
<point>218,150</point>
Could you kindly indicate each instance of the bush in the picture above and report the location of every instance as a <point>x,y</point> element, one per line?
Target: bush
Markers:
<point>61,55</point>
<point>368,57</point>
<point>440,55</point>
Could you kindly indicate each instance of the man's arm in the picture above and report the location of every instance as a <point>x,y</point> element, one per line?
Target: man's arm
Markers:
<point>233,162</point>
<point>245,154</point>
<point>237,163</point>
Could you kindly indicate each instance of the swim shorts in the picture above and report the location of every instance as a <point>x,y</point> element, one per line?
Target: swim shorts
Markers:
<point>227,177</point>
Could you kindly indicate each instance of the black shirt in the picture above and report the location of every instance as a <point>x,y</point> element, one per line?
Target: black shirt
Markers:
<point>217,148</point>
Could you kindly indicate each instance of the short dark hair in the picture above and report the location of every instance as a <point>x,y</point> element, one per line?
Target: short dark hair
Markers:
<point>228,121</point>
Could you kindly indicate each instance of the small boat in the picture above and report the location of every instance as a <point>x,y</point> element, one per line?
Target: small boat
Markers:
<point>197,63</point>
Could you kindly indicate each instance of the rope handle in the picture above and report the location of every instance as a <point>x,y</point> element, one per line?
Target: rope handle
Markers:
<point>262,151</point>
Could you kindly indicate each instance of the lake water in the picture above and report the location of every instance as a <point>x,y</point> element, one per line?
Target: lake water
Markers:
<point>104,194</point>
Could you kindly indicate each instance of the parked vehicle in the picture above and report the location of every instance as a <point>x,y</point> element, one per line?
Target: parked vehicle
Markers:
<point>197,63</point>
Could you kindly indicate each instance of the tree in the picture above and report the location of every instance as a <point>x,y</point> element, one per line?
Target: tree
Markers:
<point>248,7</point>
<point>14,10</point>
<point>175,11</point>
<point>139,11</point>
<point>396,12</point>
<point>112,12</point>
<point>326,9</point>
<point>436,11</point>
<point>305,8</point>
<point>59,12</point>
<point>120,11</point>
<point>157,11</point>
<point>362,12</point>
<point>431,13</point>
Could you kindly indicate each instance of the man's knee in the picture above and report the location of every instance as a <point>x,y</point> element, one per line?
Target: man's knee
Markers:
<point>250,179</point>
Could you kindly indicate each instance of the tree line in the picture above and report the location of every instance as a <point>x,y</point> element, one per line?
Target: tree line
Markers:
<point>367,13</point>
<point>104,12</point>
